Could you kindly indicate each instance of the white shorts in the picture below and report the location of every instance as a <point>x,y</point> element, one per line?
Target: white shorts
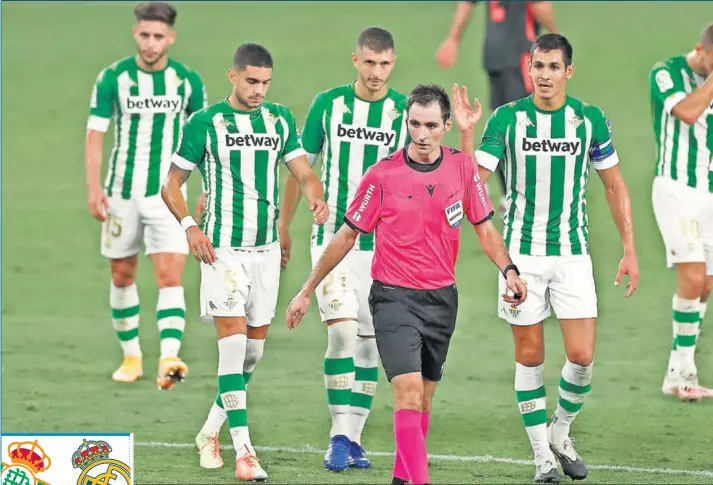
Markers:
<point>685,218</point>
<point>344,293</point>
<point>243,282</point>
<point>147,219</point>
<point>564,284</point>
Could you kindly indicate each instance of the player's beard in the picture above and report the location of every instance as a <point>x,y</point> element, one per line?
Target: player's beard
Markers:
<point>247,102</point>
<point>152,62</point>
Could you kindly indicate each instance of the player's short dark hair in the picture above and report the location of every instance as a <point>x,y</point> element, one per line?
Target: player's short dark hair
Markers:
<point>376,39</point>
<point>251,54</point>
<point>553,42</point>
<point>427,94</point>
<point>160,11</point>
<point>707,36</point>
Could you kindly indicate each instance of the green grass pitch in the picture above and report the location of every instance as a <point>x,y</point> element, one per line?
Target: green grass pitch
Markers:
<point>58,345</point>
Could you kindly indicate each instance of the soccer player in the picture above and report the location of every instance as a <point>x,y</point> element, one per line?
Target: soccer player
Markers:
<point>510,30</point>
<point>352,126</point>
<point>682,108</point>
<point>148,96</point>
<point>548,141</point>
<point>237,144</point>
<point>415,200</point>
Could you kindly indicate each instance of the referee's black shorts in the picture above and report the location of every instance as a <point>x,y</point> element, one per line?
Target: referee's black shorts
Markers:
<point>413,328</point>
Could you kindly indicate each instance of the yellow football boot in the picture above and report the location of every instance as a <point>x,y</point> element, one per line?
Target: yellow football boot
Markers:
<point>131,370</point>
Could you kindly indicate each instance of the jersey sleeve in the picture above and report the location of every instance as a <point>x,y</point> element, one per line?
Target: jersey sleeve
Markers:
<point>313,132</point>
<point>101,105</point>
<point>603,154</point>
<point>478,206</point>
<point>666,86</point>
<point>293,147</point>
<point>492,146</point>
<point>365,210</point>
<point>199,94</point>
<point>190,151</point>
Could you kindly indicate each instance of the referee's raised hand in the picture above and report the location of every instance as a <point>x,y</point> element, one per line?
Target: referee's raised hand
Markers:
<point>297,309</point>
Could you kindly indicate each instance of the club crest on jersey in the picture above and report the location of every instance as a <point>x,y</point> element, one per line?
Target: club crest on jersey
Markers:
<point>523,120</point>
<point>575,121</point>
<point>454,214</point>
<point>271,118</point>
<point>393,114</point>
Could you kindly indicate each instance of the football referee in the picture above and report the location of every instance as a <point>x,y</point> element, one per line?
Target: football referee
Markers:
<point>415,200</point>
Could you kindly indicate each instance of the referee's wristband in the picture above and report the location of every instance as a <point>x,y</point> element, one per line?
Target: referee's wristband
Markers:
<point>508,268</point>
<point>188,222</point>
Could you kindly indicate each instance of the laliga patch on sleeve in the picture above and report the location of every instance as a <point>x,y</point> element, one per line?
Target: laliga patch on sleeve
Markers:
<point>663,80</point>
<point>67,458</point>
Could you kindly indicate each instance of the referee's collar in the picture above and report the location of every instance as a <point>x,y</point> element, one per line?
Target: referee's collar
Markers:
<point>423,167</point>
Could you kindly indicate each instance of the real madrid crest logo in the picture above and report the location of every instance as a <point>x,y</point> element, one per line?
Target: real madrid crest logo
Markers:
<point>92,457</point>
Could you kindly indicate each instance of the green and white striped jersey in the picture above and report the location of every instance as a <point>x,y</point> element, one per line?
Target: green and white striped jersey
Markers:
<point>351,135</point>
<point>238,154</point>
<point>546,156</point>
<point>685,152</point>
<point>148,109</point>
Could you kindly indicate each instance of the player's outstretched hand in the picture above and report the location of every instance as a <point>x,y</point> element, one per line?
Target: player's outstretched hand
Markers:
<point>200,245</point>
<point>628,266</point>
<point>200,207</point>
<point>518,289</point>
<point>466,115</point>
<point>447,53</point>
<point>285,247</point>
<point>98,203</point>
<point>320,212</point>
<point>297,309</point>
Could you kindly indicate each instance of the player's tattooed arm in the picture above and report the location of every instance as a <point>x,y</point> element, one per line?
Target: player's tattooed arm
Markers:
<point>171,191</point>
<point>619,200</point>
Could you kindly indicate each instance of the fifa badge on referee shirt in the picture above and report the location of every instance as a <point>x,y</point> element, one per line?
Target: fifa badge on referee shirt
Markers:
<point>454,214</point>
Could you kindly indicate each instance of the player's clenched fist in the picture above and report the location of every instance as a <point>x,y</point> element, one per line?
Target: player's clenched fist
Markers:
<point>320,212</point>
<point>200,245</point>
<point>297,309</point>
<point>98,203</point>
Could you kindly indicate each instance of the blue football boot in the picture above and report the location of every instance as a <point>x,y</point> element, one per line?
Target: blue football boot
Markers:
<point>337,457</point>
<point>357,456</point>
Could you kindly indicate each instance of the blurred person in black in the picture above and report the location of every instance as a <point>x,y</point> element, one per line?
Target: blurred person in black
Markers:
<point>510,31</point>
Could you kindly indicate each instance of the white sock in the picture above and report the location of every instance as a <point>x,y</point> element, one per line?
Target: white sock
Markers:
<point>530,392</point>
<point>124,303</point>
<point>216,417</point>
<point>366,374</point>
<point>339,373</point>
<point>703,306</point>
<point>686,315</point>
<point>231,386</point>
<point>574,388</point>
<point>171,318</point>
<point>255,349</point>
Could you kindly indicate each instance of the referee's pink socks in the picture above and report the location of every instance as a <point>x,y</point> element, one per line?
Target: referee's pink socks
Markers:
<point>410,429</point>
